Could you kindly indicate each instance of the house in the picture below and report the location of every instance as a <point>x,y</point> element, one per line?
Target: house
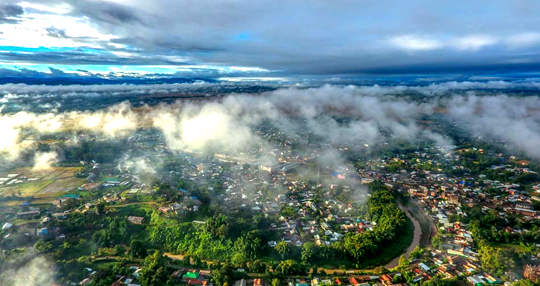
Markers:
<point>124,281</point>
<point>241,282</point>
<point>43,233</point>
<point>28,214</point>
<point>136,219</point>
<point>191,275</point>
<point>354,281</point>
<point>111,182</point>
<point>7,225</point>
<point>259,282</point>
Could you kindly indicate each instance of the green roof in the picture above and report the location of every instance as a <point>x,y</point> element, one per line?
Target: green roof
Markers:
<point>71,196</point>
<point>191,275</point>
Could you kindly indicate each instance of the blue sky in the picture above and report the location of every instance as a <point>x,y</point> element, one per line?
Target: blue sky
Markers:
<point>241,38</point>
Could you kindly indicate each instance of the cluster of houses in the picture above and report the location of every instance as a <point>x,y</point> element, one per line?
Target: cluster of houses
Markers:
<point>442,196</point>
<point>323,223</point>
<point>188,203</point>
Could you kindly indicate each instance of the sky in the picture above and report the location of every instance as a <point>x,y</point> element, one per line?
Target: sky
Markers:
<point>271,39</point>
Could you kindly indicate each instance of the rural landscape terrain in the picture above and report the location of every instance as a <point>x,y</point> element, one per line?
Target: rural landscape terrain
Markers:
<point>256,188</point>
<point>269,143</point>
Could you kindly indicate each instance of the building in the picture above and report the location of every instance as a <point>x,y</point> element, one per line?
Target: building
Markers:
<point>241,282</point>
<point>532,272</point>
<point>136,219</point>
<point>28,214</point>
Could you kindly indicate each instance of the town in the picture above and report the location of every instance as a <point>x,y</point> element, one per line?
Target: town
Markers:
<point>459,214</point>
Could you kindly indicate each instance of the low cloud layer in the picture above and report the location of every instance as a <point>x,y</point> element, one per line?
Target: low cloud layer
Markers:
<point>29,269</point>
<point>338,115</point>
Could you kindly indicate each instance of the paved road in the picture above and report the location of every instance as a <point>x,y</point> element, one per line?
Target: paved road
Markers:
<point>416,238</point>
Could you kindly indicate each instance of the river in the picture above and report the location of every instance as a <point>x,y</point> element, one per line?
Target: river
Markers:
<point>416,238</point>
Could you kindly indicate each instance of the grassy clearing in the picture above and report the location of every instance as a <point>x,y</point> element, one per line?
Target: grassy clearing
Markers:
<point>19,222</point>
<point>136,209</point>
<point>514,247</point>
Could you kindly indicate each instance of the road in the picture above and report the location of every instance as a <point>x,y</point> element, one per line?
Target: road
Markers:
<point>416,238</point>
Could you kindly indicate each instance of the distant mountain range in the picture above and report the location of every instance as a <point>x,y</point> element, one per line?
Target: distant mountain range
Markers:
<point>97,80</point>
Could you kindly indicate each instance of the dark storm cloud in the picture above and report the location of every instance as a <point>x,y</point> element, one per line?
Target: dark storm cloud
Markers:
<point>107,12</point>
<point>83,57</point>
<point>57,33</point>
<point>10,12</point>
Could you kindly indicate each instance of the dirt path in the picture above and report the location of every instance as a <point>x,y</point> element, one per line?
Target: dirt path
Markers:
<point>416,238</point>
<point>174,256</point>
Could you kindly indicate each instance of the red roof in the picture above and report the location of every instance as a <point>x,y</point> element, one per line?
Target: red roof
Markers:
<point>354,281</point>
<point>386,277</point>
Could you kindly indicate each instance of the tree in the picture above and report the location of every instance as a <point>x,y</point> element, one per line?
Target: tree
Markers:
<point>308,251</point>
<point>100,208</point>
<point>137,249</point>
<point>495,259</point>
<point>417,252</point>
<point>276,282</point>
<point>523,282</point>
<point>403,262</point>
<point>119,250</point>
<point>218,225</point>
<point>282,249</point>
<point>436,241</point>
<point>154,272</point>
<point>43,246</point>
<point>257,266</point>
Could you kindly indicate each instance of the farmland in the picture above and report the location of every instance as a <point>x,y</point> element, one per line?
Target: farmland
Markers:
<point>26,184</point>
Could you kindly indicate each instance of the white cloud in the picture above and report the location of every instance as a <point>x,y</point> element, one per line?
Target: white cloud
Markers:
<point>419,43</point>
<point>63,8</point>
<point>31,31</point>
<point>523,40</point>
<point>474,42</point>
<point>427,43</point>
<point>44,160</point>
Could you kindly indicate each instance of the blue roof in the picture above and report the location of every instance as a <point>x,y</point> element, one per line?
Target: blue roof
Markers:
<point>182,190</point>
